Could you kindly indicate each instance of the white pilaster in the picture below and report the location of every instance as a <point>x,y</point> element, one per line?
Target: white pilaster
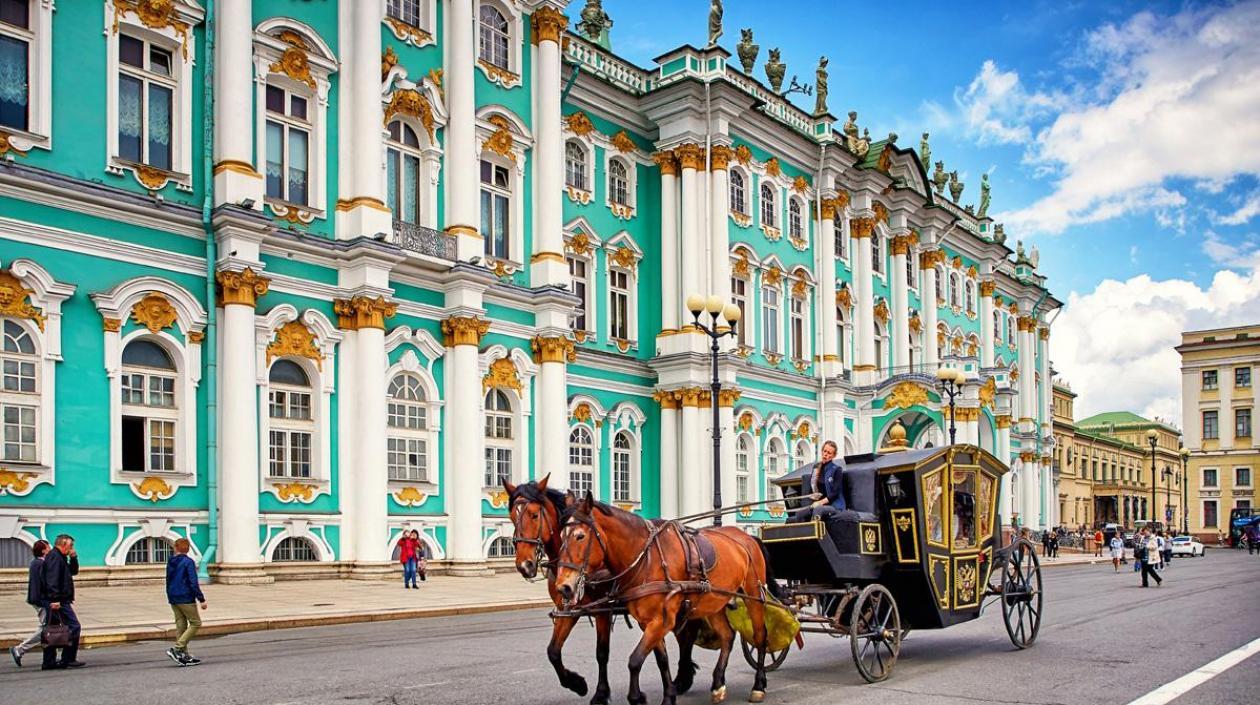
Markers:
<point>986,323</point>
<point>361,209</point>
<point>827,293</point>
<point>461,175</point>
<point>692,449</point>
<point>552,351</point>
<point>465,442</point>
<point>864,365</point>
<point>671,300</point>
<point>236,176</point>
<point>719,236</point>
<point>931,350</point>
<point>370,468</point>
<point>1004,454</point>
<point>669,455</point>
<point>691,267</point>
<point>547,263</point>
<point>726,419</point>
<point>900,338</point>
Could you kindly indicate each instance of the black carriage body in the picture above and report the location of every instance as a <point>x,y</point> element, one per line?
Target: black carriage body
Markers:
<point>932,546</point>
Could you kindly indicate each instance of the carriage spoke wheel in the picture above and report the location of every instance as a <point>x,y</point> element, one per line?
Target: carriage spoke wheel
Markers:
<point>875,633</point>
<point>774,659</point>
<point>1021,595</point>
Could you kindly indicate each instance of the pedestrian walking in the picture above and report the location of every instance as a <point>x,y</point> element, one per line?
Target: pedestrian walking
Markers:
<point>1150,557</point>
<point>1159,549</point>
<point>1253,538</point>
<point>1168,554</point>
<point>409,556</point>
<point>1054,545</point>
<point>1117,551</point>
<point>57,573</point>
<point>423,556</point>
<point>183,592</point>
<point>1098,543</point>
<point>34,598</point>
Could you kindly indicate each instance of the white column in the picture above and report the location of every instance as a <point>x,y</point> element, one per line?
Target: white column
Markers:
<point>671,299</point>
<point>931,352</point>
<point>552,419</point>
<point>833,416</point>
<point>827,294</point>
<point>986,323</point>
<point>460,175</point>
<point>1004,454</point>
<point>239,559</point>
<point>361,209</point>
<point>547,263</point>
<point>465,442</point>
<point>691,447</point>
<point>1027,368</point>
<point>900,338</point>
<point>726,417</point>
<point>864,315</point>
<point>236,177</point>
<point>371,475</point>
<point>669,454</point>
<point>691,266</point>
<point>719,237</point>
<point>347,454</point>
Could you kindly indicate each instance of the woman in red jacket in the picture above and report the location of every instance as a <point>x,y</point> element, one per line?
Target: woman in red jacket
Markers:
<point>409,556</point>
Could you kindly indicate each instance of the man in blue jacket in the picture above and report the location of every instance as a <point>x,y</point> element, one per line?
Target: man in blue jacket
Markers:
<point>825,486</point>
<point>184,593</point>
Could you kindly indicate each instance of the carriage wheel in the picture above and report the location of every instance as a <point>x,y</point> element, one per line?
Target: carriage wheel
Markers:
<point>776,657</point>
<point>1021,595</point>
<point>875,633</point>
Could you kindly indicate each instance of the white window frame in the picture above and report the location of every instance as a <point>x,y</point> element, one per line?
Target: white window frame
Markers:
<point>942,286</point>
<point>494,442</point>
<point>772,343</point>
<point>420,350</point>
<point>743,332</point>
<point>804,452</point>
<point>38,37</point>
<point>912,271</point>
<point>178,38</point>
<point>776,465</point>
<point>579,449</point>
<point>405,434</point>
<point>175,414</point>
<point>623,211</point>
<point>587,295</point>
<point>796,218</point>
<point>626,418</point>
<point>506,76</point>
<point>17,399</point>
<point>843,333</point>
<point>768,207</point>
<point>747,457</point>
<point>268,49</point>
<point>323,384</point>
<point>296,528</point>
<point>628,291</point>
<point>841,234</point>
<point>878,254</point>
<point>743,200</point>
<point>969,295</point>
<point>1250,477</point>
<point>521,407</point>
<point>612,269</point>
<point>515,163</point>
<point>954,296</point>
<point>426,23</point>
<point>426,163</point>
<point>587,171</point>
<point>800,318</point>
<point>289,427</point>
<point>628,456</point>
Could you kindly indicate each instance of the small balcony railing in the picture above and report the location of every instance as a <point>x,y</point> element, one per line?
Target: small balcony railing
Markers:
<point>425,241</point>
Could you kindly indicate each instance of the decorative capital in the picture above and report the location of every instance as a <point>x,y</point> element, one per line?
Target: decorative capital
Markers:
<point>241,288</point>
<point>363,312</point>
<point>988,287</point>
<point>1043,333</point>
<point>667,162</point>
<point>1028,456</point>
<point>728,397</point>
<point>665,399</point>
<point>690,155</point>
<point>553,349</point>
<point>547,24</point>
<point>720,157</point>
<point>689,396</point>
<point>154,312</point>
<point>1026,324</point>
<point>1003,420</point>
<point>861,227</point>
<point>901,244</point>
<point>111,325</point>
<point>831,207</point>
<point>463,330</point>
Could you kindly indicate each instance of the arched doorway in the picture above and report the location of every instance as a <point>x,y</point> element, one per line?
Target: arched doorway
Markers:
<point>922,431</point>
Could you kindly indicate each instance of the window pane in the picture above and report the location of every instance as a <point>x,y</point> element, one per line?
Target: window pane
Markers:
<point>297,166</point>
<point>411,189</point>
<point>278,451</point>
<point>275,99</point>
<point>487,209</point>
<point>159,126</point>
<point>14,82</point>
<point>130,51</point>
<point>297,107</point>
<point>391,182</point>
<point>275,157</point>
<point>159,61</point>
<point>161,445</point>
<point>130,118</point>
<point>501,227</point>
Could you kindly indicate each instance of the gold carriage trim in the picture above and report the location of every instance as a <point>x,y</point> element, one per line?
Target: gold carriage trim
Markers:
<point>872,543</point>
<point>804,531</point>
<point>942,591</point>
<point>906,535</point>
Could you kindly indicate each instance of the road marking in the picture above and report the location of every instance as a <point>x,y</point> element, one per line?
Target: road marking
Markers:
<point>527,670</point>
<point>1170,691</point>
<point>424,685</point>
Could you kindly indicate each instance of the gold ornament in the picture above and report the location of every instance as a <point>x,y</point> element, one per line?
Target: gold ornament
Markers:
<point>667,162</point>
<point>411,102</point>
<point>389,59</point>
<point>579,124</point>
<point>844,297</point>
<point>743,154</point>
<point>916,323</point>
<point>881,311</point>
<point>112,325</point>
<point>906,395</point>
<point>728,397</point>
<point>885,159</point>
<point>622,142</point>
<point>295,64</point>
<point>154,312</point>
<point>294,338</point>
<point>773,276</point>
<point>408,33</point>
<point>742,266</point>
<point>243,287</point>
<point>501,375</point>
<point>582,413</point>
<point>15,300</point>
<point>553,349</point>
<point>410,497</point>
<point>625,257</point>
<point>153,489</point>
<point>579,244</point>
<point>988,287</point>
<point>800,184</point>
<point>295,491</point>
<point>720,157</point>
<point>501,142</point>
<point>665,399</point>
<point>881,212</point>
<point>499,75</point>
<point>773,167</point>
<point>7,145</point>
<point>690,155</point>
<point>800,288</point>
<point>14,482</point>
<point>861,227</point>
<point>498,499</point>
<point>463,330</point>
<point>363,312</point>
<point>155,14</point>
<point>150,177</point>
<point>547,24</point>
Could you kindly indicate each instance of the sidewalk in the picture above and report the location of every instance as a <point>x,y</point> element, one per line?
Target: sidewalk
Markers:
<point>114,614</point>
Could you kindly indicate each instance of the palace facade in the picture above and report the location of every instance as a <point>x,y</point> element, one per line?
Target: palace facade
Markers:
<point>291,278</point>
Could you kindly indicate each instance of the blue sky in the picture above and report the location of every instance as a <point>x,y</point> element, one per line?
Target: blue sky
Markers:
<point>1122,138</point>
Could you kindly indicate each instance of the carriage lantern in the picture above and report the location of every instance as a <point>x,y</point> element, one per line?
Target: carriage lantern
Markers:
<point>893,485</point>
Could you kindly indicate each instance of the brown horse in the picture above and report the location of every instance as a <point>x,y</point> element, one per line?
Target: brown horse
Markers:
<point>652,566</point>
<point>537,514</point>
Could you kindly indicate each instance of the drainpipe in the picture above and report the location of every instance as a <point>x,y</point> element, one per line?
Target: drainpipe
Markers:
<point>211,343</point>
<point>1045,501</point>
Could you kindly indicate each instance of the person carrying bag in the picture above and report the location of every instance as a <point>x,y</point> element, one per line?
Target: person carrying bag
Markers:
<point>56,633</point>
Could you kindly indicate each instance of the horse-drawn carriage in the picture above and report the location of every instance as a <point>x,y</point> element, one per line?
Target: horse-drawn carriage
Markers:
<point>916,548</point>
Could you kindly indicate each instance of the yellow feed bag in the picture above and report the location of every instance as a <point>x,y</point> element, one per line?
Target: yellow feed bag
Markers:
<point>780,625</point>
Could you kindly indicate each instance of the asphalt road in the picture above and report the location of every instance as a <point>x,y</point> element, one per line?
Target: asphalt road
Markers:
<point>1103,641</point>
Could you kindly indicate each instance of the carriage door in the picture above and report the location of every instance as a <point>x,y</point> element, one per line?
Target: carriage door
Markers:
<point>959,502</point>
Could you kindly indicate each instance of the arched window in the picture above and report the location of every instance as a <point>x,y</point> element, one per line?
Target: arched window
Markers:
<point>970,289</point>
<point>402,172</point>
<point>768,210</point>
<point>575,166</point>
<point>500,438</point>
<point>149,408</point>
<point>794,218</point>
<point>739,193</point>
<point>623,467</point>
<point>501,547</point>
<point>493,36</point>
<point>293,549</point>
<point>292,427</point>
<point>149,550</point>
<point>940,283</point>
<point>743,468</point>
<point>19,394</point>
<point>776,465</point>
<point>1010,330</point>
<point>804,454</point>
<point>618,183</point>
<point>14,553</point>
<point>581,460</point>
<point>408,421</point>
<point>954,290</point>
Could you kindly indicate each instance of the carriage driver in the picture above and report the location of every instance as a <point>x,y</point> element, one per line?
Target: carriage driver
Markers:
<point>824,485</point>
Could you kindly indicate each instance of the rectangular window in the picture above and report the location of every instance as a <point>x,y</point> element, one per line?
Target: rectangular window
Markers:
<point>161,445</point>
<point>495,195</point>
<point>1209,513</point>
<point>770,319</point>
<point>1242,423</point>
<point>1242,377</point>
<point>19,433</point>
<point>15,70</point>
<point>1210,425</point>
<point>621,476</point>
<point>408,459</point>
<point>578,285</point>
<point>841,245</point>
<point>910,272</point>
<point>1242,477</point>
<point>19,376</point>
<point>581,482</point>
<point>1209,379</point>
<point>619,304</point>
<point>877,254</point>
<point>1209,477</point>
<point>498,466</point>
<point>797,316</point>
<point>407,11</point>
<point>290,453</point>
<point>288,147</point>
<point>1242,504</point>
<point>146,89</point>
<point>739,296</point>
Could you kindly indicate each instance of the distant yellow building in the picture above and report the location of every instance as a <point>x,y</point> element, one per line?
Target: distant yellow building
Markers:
<point>1219,400</point>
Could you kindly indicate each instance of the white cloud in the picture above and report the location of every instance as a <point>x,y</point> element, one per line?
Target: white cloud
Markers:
<point>996,108</point>
<point>1176,98</point>
<point>1115,345</point>
<point>1244,256</point>
<point>1248,210</point>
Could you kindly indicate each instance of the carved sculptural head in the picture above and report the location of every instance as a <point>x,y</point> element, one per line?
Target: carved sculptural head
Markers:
<point>774,55</point>
<point>746,35</point>
<point>822,62</point>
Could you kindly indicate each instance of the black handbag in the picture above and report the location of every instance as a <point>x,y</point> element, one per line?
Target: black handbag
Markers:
<point>55,635</point>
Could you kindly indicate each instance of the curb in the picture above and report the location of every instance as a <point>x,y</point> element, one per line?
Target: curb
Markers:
<point>114,635</point>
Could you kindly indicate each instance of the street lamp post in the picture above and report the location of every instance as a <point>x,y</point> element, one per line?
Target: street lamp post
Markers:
<point>1185,480</point>
<point>1152,437</point>
<point>716,308</point>
<point>1168,480</point>
<point>950,380</point>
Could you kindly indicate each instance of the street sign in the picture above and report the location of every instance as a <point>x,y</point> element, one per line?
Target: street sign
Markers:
<point>1167,513</point>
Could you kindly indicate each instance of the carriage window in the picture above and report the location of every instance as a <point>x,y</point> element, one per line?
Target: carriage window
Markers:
<point>984,507</point>
<point>964,505</point>
<point>934,507</point>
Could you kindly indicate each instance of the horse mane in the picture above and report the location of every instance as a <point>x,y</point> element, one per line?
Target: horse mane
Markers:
<point>530,491</point>
<point>616,512</point>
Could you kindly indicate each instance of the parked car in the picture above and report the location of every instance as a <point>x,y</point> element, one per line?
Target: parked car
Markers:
<point>1187,546</point>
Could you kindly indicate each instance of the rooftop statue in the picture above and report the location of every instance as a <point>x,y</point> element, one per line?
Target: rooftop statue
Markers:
<point>1034,257</point>
<point>715,21</point>
<point>939,179</point>
<point>984,195</point>
<point>925,152</point>
<point>999,234</point>
<point>595,23</point>
<point>775,70</point>
<point>1019,252</point>
<point>955,186</point>
<point>747,50</point>
<point>820,85</point>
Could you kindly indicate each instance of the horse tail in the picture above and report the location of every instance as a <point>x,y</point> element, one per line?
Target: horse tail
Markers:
<point>771,583</point>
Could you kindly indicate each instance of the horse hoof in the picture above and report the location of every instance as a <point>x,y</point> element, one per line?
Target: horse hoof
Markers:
<point>718,696</point>
<point>576,683</point>
<point>601,698</point>
<point>682,685</point>
<point>757,696</point>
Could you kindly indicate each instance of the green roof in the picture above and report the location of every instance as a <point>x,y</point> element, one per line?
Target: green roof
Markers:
<point>1109,418</point>
<point>872,154</point>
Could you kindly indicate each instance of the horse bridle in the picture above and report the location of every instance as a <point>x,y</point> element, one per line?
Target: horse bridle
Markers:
<point>540,546</point>
<point>585,567</point>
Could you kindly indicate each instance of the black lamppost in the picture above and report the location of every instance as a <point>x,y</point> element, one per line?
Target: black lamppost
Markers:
<point>716,308</point>
<point>1185,480</point>
<point>1168,478</point>
<point>950,381</point>
<point>1152,437</point>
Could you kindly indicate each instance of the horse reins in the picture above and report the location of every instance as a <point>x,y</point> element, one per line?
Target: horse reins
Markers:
<point>540,546</point>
